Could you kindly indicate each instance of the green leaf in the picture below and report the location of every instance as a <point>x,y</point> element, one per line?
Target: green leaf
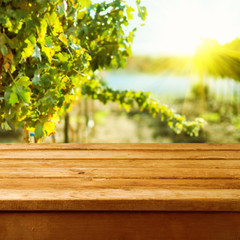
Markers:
<point>39,130</point>
<point>13,98</point>
<point>23,81</point>
<point>23,93</point>
<point>7,95</point>
<point>28,50</point>
<point>63,57</point>
<point>49,52</point>
<point>4,50</point>
<point>63,38</point>
<point>129,11</point>
<point>12,43</point>
<point>62,9</point>
<point>36,79</point>
<point>85,3</point>
<point>74,46</point>
<point>55,23</point>
<point>37,53</point>
<point>6,126</point>
<point>142,11</point>
<point>48,42</point>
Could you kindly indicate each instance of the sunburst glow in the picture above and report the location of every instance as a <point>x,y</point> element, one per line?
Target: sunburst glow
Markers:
<point>175,27</point>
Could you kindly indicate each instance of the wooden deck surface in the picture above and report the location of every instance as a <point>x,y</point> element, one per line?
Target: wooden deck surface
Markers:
<point>120,191</point>
<point>120,177</point>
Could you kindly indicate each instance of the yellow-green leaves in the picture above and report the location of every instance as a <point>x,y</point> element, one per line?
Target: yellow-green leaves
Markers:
<point>63,38</point>
<point>19,92</point>
<point>49,127</point>
<point>42,30</point>
<point>46,128</point>
<point>5,126</point>
<point>129,11</point>
<point>55,24</point>
<point>50,49</point>
<point>37,53</point>
<point>62,9</point>
<point>28,50</point>
<point>36,79</point>
<point>86,3</point>
<point>142,11</point>
<point>48,42</point>
<point>13,98</point>
<point>144,101</point>
<point>23,81</point>
<point>23,93</point>
<point>49,52</point>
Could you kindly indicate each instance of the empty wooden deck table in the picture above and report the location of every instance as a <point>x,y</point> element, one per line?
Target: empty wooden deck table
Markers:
<point>119,191</point>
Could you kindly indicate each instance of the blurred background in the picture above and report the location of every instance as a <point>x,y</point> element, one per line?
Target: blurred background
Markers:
<point>187,54</point>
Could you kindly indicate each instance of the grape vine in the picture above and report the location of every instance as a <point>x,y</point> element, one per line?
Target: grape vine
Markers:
<point>49,51</point>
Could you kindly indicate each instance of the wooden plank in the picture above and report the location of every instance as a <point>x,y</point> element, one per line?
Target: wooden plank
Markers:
<point>118,173</point>
<point>102,163</point>
<point>123,146</point>
<point>118,178</point>
<point>119,226</point>
<point>135,199</point>
<point>128,154</point>
<point>55,184</point>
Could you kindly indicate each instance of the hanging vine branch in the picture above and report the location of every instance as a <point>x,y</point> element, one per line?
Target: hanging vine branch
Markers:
<point>143,101</point>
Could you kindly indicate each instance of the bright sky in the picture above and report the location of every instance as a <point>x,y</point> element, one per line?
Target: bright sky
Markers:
<point>175,27</point>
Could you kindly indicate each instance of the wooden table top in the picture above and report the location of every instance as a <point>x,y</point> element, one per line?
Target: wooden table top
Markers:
<point>120,177</point>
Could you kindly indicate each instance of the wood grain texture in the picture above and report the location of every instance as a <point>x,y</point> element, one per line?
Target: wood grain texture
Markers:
<point>119,226</point>
<point>120,177</point>
<point>125,163</point>
<point>117,154</point>
<point>121,173</point>
<point>77,184</point>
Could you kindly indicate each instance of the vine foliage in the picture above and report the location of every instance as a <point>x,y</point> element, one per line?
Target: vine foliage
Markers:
<point>50,51</point>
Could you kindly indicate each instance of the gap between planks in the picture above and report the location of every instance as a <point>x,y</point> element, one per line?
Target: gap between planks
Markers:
<point>124,146</point>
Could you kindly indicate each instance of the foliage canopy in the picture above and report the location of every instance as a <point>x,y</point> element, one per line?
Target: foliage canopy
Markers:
<point>50,51</point>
